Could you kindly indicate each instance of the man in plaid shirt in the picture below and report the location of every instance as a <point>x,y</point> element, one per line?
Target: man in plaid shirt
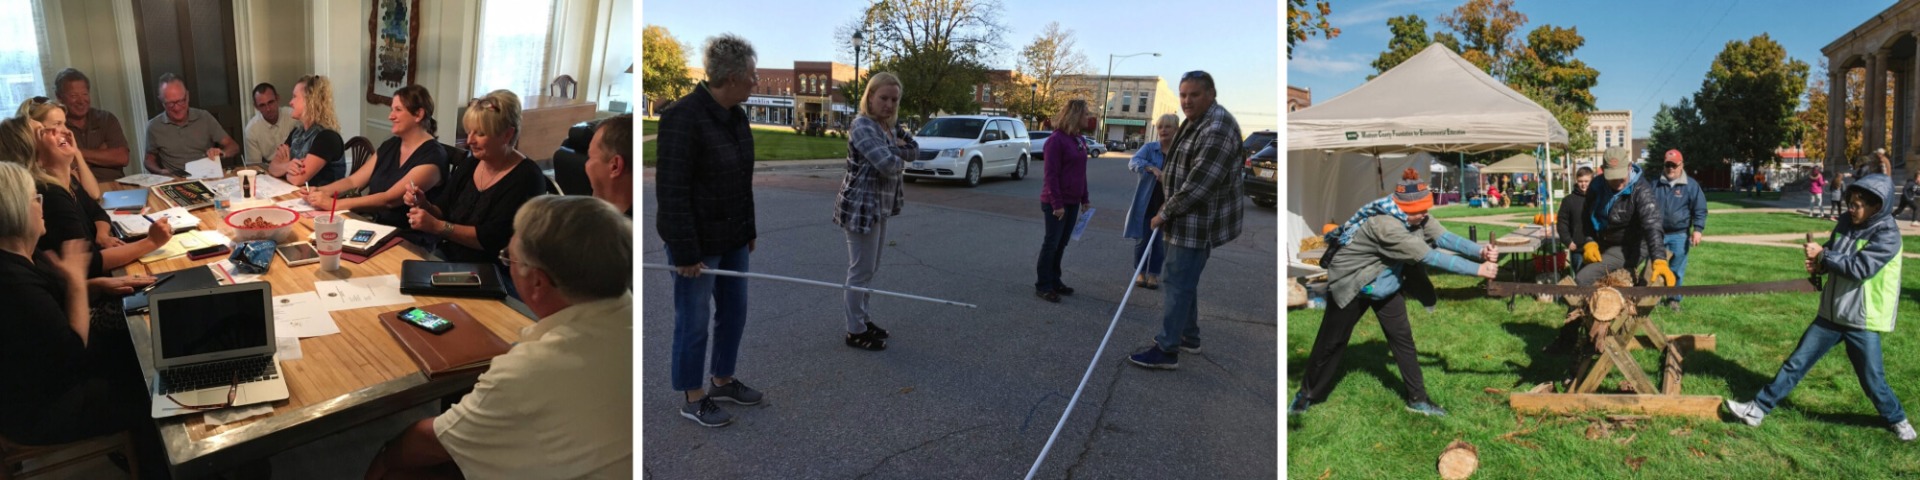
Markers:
<point>1203,211</point>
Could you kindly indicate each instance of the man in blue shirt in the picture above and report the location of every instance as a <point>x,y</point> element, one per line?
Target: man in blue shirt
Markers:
<point>1683,213</point>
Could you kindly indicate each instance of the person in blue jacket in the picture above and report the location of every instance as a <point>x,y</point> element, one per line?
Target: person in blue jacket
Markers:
<point>1147,199</point>
<point>1683,215</point>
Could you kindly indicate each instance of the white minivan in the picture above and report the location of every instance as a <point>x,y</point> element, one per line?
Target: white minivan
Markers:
<point>968,147</point>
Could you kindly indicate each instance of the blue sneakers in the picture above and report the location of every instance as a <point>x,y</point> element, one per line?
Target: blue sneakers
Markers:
<point>1152,357</point>
<point>1427,408</point>
<point>1300,404</point>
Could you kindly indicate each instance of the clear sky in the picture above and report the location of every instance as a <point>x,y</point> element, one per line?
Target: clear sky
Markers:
<point>1647,52</point>
<point>1237,41</point>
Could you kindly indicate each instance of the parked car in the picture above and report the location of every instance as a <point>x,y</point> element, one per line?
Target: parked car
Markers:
<point>1257,140</point>
<point>1038,142</point>
<point>968,147</point>
<point>1258,179</point>
<point>1094,149</point>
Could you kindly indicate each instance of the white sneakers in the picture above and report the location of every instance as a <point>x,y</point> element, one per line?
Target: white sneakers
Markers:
<point>1904,430</point>
<point>1746,412</point>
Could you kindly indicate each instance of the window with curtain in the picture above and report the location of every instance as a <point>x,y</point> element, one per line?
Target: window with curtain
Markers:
<point>514,47</point>
<point>23,53</point>
<point>1126,101</point>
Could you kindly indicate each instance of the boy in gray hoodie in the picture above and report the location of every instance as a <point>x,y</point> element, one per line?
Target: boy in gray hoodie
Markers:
<point>1857,304</point>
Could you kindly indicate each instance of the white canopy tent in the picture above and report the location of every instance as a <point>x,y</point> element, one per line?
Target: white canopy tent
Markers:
<point>1520,163</point>
<point>1432,102</point>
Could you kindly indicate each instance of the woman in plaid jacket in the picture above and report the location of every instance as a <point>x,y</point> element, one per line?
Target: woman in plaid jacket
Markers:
<point>877,152</point>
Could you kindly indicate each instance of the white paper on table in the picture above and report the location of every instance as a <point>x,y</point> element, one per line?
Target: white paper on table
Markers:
<point>234,414</point>
<point>298,205</point>
<point>301,315</point>
<point>353,293</point>
<point>224,273</point>
<point>286,348</point>
<point>145,180</point>
<point>203,168</point>
<point>1085,218</point>
<point>229,186</point>
<point>265,186</point>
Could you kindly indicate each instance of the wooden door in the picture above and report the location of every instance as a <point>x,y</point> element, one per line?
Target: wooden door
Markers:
<point>194,40</point>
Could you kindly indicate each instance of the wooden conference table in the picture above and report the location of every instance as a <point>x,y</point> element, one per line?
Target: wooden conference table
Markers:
<point>340,381</point>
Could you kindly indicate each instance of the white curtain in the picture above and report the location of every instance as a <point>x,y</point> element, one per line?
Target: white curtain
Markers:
<point>23,53</point>
<point>515,38</point>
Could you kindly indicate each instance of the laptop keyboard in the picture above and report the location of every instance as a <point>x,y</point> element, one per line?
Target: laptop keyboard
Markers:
<point>218,374</point>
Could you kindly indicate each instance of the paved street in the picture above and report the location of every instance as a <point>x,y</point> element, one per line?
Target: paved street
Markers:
<point>971,393</point>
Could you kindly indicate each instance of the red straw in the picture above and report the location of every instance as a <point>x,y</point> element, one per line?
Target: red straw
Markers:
<point>334,206</point>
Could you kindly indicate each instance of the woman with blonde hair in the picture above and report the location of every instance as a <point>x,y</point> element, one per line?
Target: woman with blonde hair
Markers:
<point>46,149</point>
<point>313,153</point>
<point>1147,199</point>
<point>877,152</point>
<point>473,213</point>
<point>42,111</point>
<point>1062,195</point>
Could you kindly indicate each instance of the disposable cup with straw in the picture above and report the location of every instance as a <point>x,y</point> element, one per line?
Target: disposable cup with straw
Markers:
<point>328,238</point>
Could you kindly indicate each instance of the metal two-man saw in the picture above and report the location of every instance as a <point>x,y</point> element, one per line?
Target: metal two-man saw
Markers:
<point>1511,289</point>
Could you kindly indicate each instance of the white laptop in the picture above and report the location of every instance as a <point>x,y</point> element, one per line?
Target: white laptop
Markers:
<point>210,341</point>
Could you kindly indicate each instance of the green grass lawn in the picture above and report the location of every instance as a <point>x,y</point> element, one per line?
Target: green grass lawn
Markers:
<point>1461,210</point>
<point>1826,428</point>
<point>778,143</point>
<point>647,127</point>
<point>1910,245</point>
<point>1721,200</point>
<point>1764,223</point>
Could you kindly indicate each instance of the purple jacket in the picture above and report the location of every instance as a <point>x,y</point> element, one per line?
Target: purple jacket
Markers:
<point>1066,171</point>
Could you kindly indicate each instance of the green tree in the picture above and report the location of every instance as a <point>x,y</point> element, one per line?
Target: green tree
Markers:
<point>940,49</point>
<point>1484,30</point>
<point>1679,127</point>
<point>663,67</point>
<point>1749,97</point>
<point>1303,23</point>
<point>1409,38</point>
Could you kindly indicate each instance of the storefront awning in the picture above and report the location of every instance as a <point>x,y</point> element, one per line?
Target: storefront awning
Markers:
<point>1128,122</point>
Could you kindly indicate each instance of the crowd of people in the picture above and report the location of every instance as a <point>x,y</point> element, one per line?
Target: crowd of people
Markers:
<point>1188,202</point>
<point>67,360</point>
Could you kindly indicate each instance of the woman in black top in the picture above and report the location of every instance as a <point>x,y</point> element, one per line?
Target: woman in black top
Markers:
<point>48,153</point>
<point>411,157</point>
<point>473,214</point>
<point>312,153</point>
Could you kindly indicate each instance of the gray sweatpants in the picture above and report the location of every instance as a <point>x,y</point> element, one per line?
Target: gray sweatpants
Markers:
<point>863,258</point>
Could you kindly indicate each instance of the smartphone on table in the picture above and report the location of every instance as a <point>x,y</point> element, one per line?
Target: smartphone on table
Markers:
<point>361,237</point>
<point>425,320</point>
<point>207,252</point>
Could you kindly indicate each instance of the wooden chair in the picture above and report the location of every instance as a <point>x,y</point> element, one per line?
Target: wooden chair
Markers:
<point>13,455</point>
<point>359,149</point>
<point>562,86</point>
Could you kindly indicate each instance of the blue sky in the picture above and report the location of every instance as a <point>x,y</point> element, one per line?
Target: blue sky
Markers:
<point>1647,52</point>
<point>1237,41</point>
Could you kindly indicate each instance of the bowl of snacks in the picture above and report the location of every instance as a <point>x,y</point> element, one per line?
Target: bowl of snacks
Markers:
<point>261,223</point>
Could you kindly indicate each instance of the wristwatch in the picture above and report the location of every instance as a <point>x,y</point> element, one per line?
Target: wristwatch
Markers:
<point>446,229</point>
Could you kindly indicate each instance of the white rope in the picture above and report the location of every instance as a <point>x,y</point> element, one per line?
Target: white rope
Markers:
<point>762,276</point>
<point>1095,362</point>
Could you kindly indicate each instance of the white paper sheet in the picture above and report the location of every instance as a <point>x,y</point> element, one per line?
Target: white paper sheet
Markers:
<point>234,414</point>
<point>268,187</point>
<point>297,205</point>
<point>1080,227</point>
<point>229,186</point>
<point>145,180</point>
<point>286,348</point>
<point>224,273</point>
<point>203,168</point>
<point>353,293</point>
<point>302,315</point>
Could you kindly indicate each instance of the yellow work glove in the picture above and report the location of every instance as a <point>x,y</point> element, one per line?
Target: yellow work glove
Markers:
<point>1591,252</point>
<point>1660,271</point>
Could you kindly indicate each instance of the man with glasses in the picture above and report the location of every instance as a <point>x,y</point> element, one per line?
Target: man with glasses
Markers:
<point>96,132</point>
<point>269,127</point>
<point>560,403</point>
<point>1202,211</point>
<point>182,134</point>
<point>1683,214</point>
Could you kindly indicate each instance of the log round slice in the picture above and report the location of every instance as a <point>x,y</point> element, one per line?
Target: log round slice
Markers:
<point>1459,460</point>
<point>1606,304</point>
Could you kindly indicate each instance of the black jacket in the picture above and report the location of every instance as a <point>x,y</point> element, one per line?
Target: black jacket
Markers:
<point>1632,221</point>
<point>703,178</point>
<point>1567,222</point>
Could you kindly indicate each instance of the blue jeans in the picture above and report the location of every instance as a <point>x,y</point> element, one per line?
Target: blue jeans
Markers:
<point>691,311</point>
<point>1677,243</point>
<point>1183,296</point>
<point>1863,349</point>
<point>1054,247</point>
<point>1155,251</point>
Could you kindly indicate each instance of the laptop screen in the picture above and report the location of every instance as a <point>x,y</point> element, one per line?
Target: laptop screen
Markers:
<point>220,322</point>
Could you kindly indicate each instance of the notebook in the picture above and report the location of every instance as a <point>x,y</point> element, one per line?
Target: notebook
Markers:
<point>416,278</point>
<point>184,242</point>
<point>467,346</point>
<point>124,200</point>
<point>381,233</point>
<point>190,194</point>
<point>132,226</point>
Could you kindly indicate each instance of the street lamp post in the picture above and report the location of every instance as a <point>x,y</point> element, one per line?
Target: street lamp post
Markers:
<point>857,84</point>
<point>1104,86</point>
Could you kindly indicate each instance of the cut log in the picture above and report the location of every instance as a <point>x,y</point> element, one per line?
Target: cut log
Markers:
<point>1459,460</point>
<point>1605,304</point>
<point>1698,406</point>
